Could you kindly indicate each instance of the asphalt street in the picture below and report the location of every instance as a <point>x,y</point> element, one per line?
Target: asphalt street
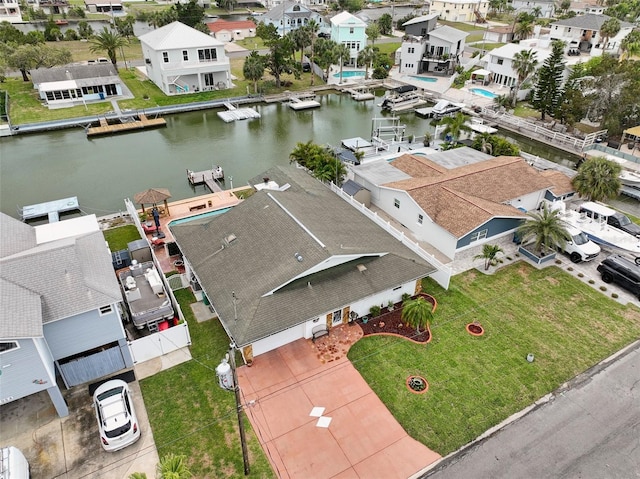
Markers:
<point>589,429</point>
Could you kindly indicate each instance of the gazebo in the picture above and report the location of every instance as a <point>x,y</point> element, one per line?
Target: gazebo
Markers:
<point>481,76</point>
<point>152,197</point>
<point>631,136</point>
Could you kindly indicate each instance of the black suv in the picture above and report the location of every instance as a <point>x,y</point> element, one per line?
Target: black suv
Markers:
<point>622,271</point>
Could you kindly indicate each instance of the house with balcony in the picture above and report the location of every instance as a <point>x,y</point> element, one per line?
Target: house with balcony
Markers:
<point>460,10</point>
<point>499,62</point>
<point>103,6</point>
<point>227,31</point>
<point>547,7</point>
<point>277,267</point>
<point>582,32</point>
<point>349,30</point>
<point>181,60</point>
<point>427,48</point>
<point>60,308</point>
<point>53,7</point>
<point>288,16</point>
<point>10,11</point>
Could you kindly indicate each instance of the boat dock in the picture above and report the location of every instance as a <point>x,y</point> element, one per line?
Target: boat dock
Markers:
<point>210,178</point>
<point>141,123</point>
<point>296,103</point>
<point>233,113</point>
<point>52,209</point>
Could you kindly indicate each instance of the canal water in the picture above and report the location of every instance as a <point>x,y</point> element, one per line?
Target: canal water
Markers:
<point>103,171</point>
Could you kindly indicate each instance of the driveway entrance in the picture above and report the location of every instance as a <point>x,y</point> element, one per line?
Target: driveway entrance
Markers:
<point>322,420</point>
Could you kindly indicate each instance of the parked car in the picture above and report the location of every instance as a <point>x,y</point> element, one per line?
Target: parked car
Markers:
<point>116,417</point>
<point>580,247</point>
<point>13,464</point>
<point>622,222</point>
<point>621,271</point>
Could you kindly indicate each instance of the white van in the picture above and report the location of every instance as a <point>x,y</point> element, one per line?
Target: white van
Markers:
<point>580,248</point>
<point>13,464</point>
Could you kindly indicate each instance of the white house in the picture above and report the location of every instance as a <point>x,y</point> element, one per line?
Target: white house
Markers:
<point>288,16</point>
<point>460,10</point>
<point>547,7</point>
<point>350,31</point>
<point>226,31</point>
<point>583,33</point>
<point>53,7</point>
<point>500,61</point>
<point>180,59</point>
<point>10,11</point>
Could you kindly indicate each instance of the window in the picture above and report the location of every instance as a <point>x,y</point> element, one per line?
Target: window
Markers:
<point>165,57</point>
<point>351,30</point>
<point>500,61</point>
<point>105,310</point>
<point>478,235</point>
<point>411,50</point>
<point>420,219</point>
<point>185,55</point>
<point>209,80</point>
<point>8,346</point>
<point>396,203</point>
<point>208,55</point>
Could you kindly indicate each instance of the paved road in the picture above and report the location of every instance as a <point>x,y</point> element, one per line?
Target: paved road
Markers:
<point>590,430</point>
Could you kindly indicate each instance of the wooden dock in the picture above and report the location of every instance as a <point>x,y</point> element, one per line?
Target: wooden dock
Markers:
<point>210,178</point>
<point>140,124</point>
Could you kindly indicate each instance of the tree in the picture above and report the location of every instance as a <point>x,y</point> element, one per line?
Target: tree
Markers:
<point>536,11</point>
<point>312,28</point>
<point>227,4</point>
<point>138,475</point>
<point>280,58</point>
<point>189,13</point>
<point>366,57</point>
<point>107,41</point>
<point>84,29</point>
<point>546,228</point>
<point>342,52</point>
<point>454,126</point>
<point>548,92</point>
<point>173,466</point>
<point>598,179</point>
<point>385,22</point>
<point>326,54</point>
<point>301,39</point>
<point>609,28</point>
<point>630,45</point>
<point>484,143</point>
<point>268,32</point>
<point>417,313</point>
<point>124,26</point>
<point>524,64</point>
<point>523,30</point>
<point>319,160</point>
<point>29,57</point>
<point>253,69</point>
<point>489,254</point>
<point>373,32</point>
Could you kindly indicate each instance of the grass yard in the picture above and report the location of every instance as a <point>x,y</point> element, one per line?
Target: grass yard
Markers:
<point>191,415</point>
<point>119,238</point>
<point>476,382</point>
<point>465,27</point>
<point>81,50</point>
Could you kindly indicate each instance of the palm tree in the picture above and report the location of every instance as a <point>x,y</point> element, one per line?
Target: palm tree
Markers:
<point>342,52</point>
<point>138,475</point>
<point>454,126</point>
<point>630,46</point>
<point>598,179</point>
<point>366,57</point>
<point>417,312</point>
<point>253,69</point>
<point>546,228</point>
<point>109,42</point>
<point>524,63</point>
<point>486,146</point>
<point>373,32</point>
<point>536,12</point>
<point>173,466</point>
<point>523,30</point>
<point>307,154</point>
<point>489,253</point>
<point>312,28</point>
<point>609,28</point>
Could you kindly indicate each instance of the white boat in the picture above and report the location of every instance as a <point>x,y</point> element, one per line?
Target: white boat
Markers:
<point>403,98</point>
<point>441,109</point>
<point>596,228</point>
<point>630,178</point>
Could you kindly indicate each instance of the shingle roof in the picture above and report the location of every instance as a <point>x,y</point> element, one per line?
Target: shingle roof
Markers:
<point>271,229</point>
<point>588,21</point>
<point>70,276</point>
<point>21,313</point>
<point>464,198</point>
<point>73,72</point>
<point>177,35</point>
<point>277,12</point>
<point>345,18</point>
<point>561,183</point>
<point>448,33</point>
<point>15,236</point>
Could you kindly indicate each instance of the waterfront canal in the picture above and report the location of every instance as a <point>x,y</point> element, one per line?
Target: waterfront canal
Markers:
<point>103,171</point>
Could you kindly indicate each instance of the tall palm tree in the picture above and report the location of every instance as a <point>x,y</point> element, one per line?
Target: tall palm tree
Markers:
<point>307,154</point>
<point>173,466</point>
<point>486,146</point>
<point>343,53</point>
<point>524,63</point>
<point>523,29</point>
<point>609,28</point>
<point>546,228</point>
<point>313,28</point>
<point>253,69</point>
<point>536,12</point>
<point>598,179</point>
<point>489,253</point>
<point>366,57</point>
<point>417,313</point>
<point>107,41</point>
<point>454,125</point>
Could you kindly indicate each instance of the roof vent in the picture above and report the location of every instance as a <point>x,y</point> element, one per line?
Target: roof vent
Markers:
<point>298,257</point>
<point>362,268</point>
<point>230,238</point>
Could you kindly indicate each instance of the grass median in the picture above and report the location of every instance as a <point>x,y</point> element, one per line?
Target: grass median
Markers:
<point>477,382</point>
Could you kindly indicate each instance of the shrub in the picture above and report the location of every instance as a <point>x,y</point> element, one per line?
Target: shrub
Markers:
<point>591,281</point>
<point>375,310</point>
<point>614,295</point>
<point>603,288</point>
<point>580,275</point>
<point>570,268</point>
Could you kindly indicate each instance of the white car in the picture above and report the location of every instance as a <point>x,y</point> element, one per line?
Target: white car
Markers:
<point>117,419</point>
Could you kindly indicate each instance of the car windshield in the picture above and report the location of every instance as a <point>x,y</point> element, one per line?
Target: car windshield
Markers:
<point>624,220</point>
<point>580,238</point>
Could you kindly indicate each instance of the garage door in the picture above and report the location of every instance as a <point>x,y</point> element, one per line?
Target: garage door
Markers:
<point>277,340</point>
<point>88,368</point>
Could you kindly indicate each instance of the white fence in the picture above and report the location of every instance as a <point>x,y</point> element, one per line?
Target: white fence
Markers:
<point>160,343</point>
<point>443,273</point>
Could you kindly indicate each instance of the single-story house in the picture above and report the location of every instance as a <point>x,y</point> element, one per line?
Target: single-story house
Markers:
<point>74,85</point>
<point>294,258</point>
<point>103,6</point>
<point>180,59</point>
<point>59,309</point>
<point>226,31</point>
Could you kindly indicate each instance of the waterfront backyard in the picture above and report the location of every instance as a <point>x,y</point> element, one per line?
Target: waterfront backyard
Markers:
<point>474,382</point>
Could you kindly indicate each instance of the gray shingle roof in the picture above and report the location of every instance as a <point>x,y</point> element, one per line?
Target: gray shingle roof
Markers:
<point>70,276</point>
<point>449,34</point>
<point>21,313</point>
<point>274,290</point>
<point>277,12</point>
<point>588,21</point>
<point>16,236</point>
<point>74,72</point>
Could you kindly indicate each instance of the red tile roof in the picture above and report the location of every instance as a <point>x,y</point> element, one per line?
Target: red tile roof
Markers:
<point>220,25</point>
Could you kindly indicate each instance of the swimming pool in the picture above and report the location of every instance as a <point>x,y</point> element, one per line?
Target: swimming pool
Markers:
<point>426,79</point>
<point>483,92</point>
<point>201,216</point>
<point>349,74</point>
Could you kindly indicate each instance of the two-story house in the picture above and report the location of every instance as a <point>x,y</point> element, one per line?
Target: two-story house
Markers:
<point>349,30</point>
<point>547,7</point>
<point>428,48</point>
<point>53,7</point>
<point>60,308</point>
<point>10,11</point>
<point>499,61</point>
<point>180,59</point>
<point>288,16</point>
<point>460,10</point>
<point>583,33</point>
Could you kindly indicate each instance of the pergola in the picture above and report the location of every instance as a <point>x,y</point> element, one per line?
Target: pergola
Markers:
<point>631,135</point>
<point>153,196</point>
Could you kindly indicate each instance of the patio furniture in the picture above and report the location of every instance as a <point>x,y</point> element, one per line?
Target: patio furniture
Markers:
<point>319,331</point>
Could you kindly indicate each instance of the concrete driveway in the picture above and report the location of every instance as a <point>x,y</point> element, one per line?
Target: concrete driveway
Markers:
<point>319,419</point>
<point>69,447</point>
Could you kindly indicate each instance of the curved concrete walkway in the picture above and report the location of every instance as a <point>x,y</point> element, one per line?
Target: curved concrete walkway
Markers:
<point>321,420</point>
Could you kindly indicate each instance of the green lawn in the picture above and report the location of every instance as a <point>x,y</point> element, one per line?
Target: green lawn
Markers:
<point>191,415</point>
<point>119,238</point>
<point>476,382</point>
<point>465,27</point>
